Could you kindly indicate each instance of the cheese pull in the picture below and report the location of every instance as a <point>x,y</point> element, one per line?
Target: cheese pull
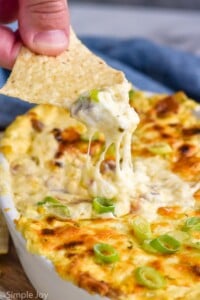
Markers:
<point>106,110</point>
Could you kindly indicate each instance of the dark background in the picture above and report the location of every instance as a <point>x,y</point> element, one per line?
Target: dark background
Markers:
<point>185,4</point>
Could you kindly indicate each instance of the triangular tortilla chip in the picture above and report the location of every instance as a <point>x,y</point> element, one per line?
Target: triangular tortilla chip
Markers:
<point>59,80</point>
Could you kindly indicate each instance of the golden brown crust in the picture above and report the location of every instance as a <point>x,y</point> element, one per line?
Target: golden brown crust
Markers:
<point>75,260</point>
<point>171,120</point>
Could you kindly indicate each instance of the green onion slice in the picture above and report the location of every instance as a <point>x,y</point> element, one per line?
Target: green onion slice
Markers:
<point>103,205</point>
<point>160,148</point>
<point>105,253</point>
<point>149,277</point>
<point>141,228</point>
<point>48,201</point>
<point>165,244</point>
<point>94,95</point>
<point>52,206</point>
<point>148,248</point>
<point>131,93</point>
<point>192,224</point>
<point>59,210</point>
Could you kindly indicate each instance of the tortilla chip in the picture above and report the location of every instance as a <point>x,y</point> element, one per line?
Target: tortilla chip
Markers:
<point>59,80</point>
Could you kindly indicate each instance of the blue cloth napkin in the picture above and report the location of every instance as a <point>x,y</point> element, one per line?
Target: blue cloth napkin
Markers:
<point>147,65</point>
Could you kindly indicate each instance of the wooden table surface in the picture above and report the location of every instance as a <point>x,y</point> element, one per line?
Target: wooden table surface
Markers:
<point>13,281</point>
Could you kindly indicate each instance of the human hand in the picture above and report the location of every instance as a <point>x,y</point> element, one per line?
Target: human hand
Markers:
<point>43,28</point>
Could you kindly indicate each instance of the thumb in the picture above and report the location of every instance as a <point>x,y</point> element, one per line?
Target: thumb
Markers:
<point>44,25</point>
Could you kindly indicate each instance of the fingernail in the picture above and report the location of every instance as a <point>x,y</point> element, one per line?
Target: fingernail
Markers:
<point>51,40</point>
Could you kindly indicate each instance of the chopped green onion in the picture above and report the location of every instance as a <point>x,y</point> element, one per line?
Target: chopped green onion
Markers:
<point>149,277</point>
<point>141,228</point>
<point>160,148</point>
<point>94,95</point>
<point>148,248</point>
<point>165,244</point>
<point>131,93</point>
<point>52,206</point>
<point>59,210</point>
<point>192,224</point>
<point>105,253</point>
<point>48,200</point>
<point>103,205</point>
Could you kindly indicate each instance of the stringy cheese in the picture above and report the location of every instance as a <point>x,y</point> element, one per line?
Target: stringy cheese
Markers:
<point>146,184</point>
<point>113,116</point>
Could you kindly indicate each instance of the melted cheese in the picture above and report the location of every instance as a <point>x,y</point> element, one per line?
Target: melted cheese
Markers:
<point>69,245</point>
<point>145,184</point>
<point>157,186</point>
<point>157,192</point>
<point>148,180</point>
<point>113,116</point>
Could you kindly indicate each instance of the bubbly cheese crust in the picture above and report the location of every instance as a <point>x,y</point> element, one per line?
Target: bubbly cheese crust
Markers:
<point>69,245</point>
<point>47,151</point>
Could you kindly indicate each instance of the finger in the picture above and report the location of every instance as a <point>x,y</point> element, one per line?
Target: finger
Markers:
<point>9,47</point>
<point>44,25</point>
<point>8,10</point>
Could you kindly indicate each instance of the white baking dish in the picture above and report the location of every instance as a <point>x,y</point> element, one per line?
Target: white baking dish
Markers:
<point>39,270</point>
